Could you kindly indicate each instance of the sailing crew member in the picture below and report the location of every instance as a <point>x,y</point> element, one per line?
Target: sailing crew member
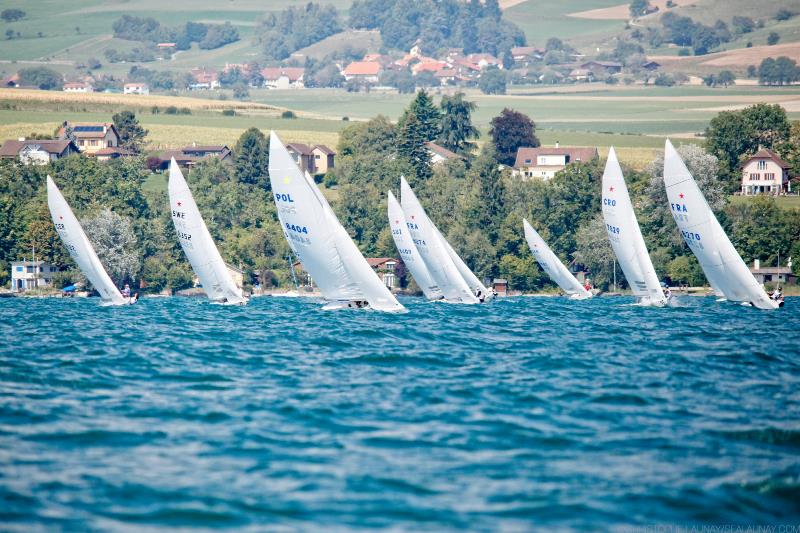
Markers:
<point>479,295</point>
<point>126,292</point>
<point>776,294</point>
<point>667,293</point>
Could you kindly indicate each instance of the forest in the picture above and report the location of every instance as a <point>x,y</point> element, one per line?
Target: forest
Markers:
<point>474,199</point>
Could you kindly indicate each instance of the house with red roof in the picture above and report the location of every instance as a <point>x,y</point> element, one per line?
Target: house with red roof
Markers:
<point>389,270</point>
<point>362,70</point>
<point>283,77</point>
<point>314,159</point>
<point>545,161</point>
<point>204,79</point>
<point>765,172</point>
<point>78,87</point>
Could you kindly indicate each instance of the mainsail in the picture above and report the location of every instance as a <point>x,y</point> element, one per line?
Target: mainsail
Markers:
<point>408,251</point>
<point>551,264</point>
<point>315,235</point>
<point>197,242</point>
<point>431,247</point>
<point>79,247</point>
<point>721,263</point>
<point>626,237</point>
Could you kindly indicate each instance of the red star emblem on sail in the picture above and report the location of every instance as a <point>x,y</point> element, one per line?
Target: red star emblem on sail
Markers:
<point>681,195</point>
<point>179,204</point>
<point>60,217</point>
<point>611,189</point>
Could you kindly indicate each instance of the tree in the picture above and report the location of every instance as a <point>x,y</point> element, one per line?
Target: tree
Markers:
<point>411,141</point>
<point>42,77</point>
<point>457,128</point>
<point>427,115</point>
<point>726,78</point>
<point>638,8</point>
<point>131,134</point>
<point>114,241</point>
<point>594,252</point>
<point>485,205</point>
<point>773,38</point>
<point>685,270</point>
<point>743,24</point>
<point>509,131</point>
<point>251,158</point>
<point>735,135</point>
<point>783,14</point>
<point>12,15</point>
<point>780,71</point>
<point>704,39</point>
<point>492,81</point>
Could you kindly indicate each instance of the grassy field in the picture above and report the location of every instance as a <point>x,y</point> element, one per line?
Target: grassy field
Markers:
<point>635,120</point>
<point>542,19</point>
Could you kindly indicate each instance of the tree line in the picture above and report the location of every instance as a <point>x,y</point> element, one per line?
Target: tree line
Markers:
<point>474,199</point>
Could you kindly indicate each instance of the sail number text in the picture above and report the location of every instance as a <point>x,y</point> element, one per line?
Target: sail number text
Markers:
<point>297,228</point>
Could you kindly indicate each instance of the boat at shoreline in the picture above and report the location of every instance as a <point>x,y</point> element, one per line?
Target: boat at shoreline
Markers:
<point>552,265</point>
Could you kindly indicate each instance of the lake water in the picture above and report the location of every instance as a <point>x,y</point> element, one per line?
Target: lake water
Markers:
<point>523,413</point>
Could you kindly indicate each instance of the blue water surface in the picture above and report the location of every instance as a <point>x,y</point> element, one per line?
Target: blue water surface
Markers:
<point>524,413</point>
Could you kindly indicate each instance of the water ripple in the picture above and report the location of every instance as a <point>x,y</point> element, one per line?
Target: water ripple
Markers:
<point>529,412</point>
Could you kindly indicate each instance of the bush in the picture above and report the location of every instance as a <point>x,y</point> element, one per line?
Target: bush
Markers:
<point>664,80</point>
<point>288,115</point>
<point>228,112</point>
<point>171,110</point>
<point>783,14</point>
<point>12,15</point>
<point>345,119</point>
<point>773,38</point>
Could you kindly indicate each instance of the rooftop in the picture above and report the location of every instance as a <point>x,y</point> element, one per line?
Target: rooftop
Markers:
<point>766,153</point>
<point>576,153</point>
<point>362,68</point>
<point>12,148</point>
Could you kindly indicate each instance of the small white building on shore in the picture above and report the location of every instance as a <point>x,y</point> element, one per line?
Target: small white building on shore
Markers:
<point>26,275</point>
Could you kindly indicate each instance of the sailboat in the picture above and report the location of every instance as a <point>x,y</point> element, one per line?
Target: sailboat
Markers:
<point>408,251</point>
<point>626,237</point>
<point>198,244</point>
<point>321,243</point>
<point>551,264</point>
<point>721,263</point>
<point>432,248</point>
<point>80,249</point>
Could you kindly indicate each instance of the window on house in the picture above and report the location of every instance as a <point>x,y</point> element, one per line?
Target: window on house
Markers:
<point>527,161</point>
<point>29,270</point>
<point>770,176</point>
<point>93,142</point>
<point>80,142</point>
<point>762,165</point>
<point>316,156</point>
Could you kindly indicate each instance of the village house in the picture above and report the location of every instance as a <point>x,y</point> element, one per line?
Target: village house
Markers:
<point>778,275</point>
<point>115,152</point>
<point>204,79</point>
<point>602,67</point>
<point>765,172</point>
<point>90,137</point>
<point>428,66</point>
<point>545,162</point>
<point>581,74</point>
<point>316,159</point>
<point>283,77</point>
<point>77,87</point>
<point>368,71</point>
<point>440,154</point>
<point>188,156</point>
<point>484,61</point>
<point>136,88</point>
<point>27,275</point>
<point>389,270</point>
<point>37,152</point>
<point>524,55</point>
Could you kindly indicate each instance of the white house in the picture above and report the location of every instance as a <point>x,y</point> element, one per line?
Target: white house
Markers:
<point>78,88</point>
<point>31,274</point>
<point>283,77</point>
<point>136,88</point>
<point>36,151</point>
<point>545,162</point>
<point>440,154</point>
<point>765,172</point>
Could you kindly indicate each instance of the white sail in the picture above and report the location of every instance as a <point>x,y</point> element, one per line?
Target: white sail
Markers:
<point>469,276</point>
<point>721,263</point>
<point>197,243</point>
<point>552,265</point>
<point>79,247</point>
<point>408,251</point>
<point>626,237</point>
<point>319,241</point>
<point>432,249</point>
<point>375,291</point>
